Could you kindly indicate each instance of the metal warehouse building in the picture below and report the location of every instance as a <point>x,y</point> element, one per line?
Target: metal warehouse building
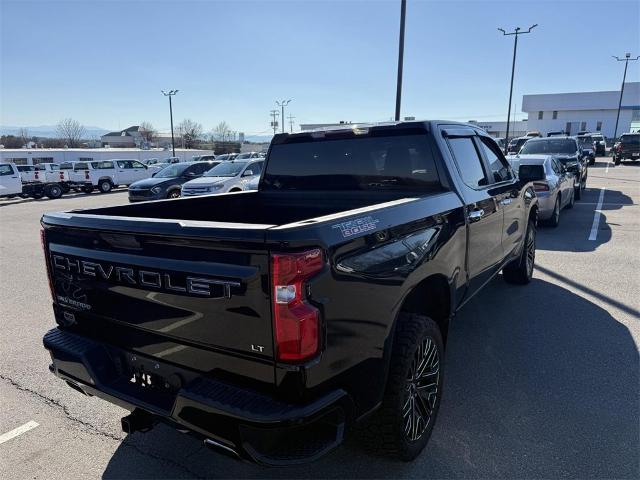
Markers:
<point>592,111</point>
<point>34,156</point>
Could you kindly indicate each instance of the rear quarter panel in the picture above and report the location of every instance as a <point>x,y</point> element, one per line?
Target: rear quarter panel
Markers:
<point>375,258</point>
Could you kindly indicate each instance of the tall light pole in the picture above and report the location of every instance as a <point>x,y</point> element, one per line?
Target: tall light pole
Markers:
<point>627,58</point>
<point>283,104</point>
<point>403,11</point>
<point>516,32</point>
<point>170,94</point>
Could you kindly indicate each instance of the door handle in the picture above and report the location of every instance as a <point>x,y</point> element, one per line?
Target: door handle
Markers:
<point>476,215</point>
<point>506,201</point>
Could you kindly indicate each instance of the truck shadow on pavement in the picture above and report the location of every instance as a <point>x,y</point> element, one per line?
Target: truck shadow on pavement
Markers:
<point>541,383</point>
<point>572,235</point>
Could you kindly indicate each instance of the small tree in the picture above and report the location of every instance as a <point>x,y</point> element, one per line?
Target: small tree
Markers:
<point>71,131</point>
<point>222,131</point>
<point>24,136</point>
<point>148,131</point>
<point>190,132</point>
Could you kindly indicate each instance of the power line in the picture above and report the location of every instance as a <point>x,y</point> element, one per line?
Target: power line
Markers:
<point>274,120</point>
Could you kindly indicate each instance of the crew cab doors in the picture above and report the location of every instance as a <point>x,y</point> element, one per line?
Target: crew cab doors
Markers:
<point>130,171</point>
<point>491,194</point>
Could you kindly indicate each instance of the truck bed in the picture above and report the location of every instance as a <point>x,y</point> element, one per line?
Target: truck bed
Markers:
<point>259,208</point>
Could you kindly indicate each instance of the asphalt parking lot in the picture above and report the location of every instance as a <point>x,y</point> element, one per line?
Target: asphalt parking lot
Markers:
<point>542,381</point>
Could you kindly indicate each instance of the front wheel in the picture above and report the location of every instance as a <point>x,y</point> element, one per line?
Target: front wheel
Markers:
<point>402,426</point>
<point>173,194</point>
<point>520,271</point>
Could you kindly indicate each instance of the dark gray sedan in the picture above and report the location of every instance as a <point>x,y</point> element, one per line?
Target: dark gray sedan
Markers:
<point>167,182</point>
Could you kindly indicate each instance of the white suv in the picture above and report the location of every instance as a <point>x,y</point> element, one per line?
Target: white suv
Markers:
<point>231,176</point>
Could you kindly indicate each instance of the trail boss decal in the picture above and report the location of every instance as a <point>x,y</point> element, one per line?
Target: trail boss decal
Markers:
<point>358,225</point>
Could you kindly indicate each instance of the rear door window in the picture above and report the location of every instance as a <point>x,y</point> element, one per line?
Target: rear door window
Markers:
<point>102,165</point>
<point>498,166</point>
<point>468,161</point>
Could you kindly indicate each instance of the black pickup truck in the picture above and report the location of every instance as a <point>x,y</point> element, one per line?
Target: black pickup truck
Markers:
<point>269,322</point>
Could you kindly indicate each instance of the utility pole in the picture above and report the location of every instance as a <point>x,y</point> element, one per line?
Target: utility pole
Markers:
<point>283,104</point>
<point>170,94</point>
<point>516,32</point>
<point>627,58</point>
<point>403,11</point>
<point>274,120</point>
<point>291,117</point>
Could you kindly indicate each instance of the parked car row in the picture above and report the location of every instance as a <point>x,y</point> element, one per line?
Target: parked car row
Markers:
<point>558,168</point>
<point>199,178</point>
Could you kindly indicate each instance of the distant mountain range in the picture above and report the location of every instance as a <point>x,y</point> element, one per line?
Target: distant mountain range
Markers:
<point>49,131</point>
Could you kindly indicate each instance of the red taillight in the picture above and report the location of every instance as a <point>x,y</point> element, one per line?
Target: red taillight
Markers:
<point>296,322</point>
<point>540,187</point>
<point>86,175</point>
<point>61,175</point>
<point>45,250</point>
<point>36,175</point>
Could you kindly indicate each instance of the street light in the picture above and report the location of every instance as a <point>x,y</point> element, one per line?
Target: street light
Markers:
<point>516,32</point>
<point>627,58</point>
<point>170,94</point>
<point>282,104</point>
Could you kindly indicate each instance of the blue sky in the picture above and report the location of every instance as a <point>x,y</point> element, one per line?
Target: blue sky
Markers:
<point>105,62</point>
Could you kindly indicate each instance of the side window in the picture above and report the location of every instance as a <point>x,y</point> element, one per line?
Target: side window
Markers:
<point>498,166</point>
<point>6,170</point>
<point>555,167</point>
<point>137,164</point>
<point>256,168</point>
<point>469,163</point>
<point>124,164</point>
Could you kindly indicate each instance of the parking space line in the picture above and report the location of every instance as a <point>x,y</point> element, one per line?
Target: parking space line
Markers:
<point>596,216</point>
<point>606,170</point>
<point>18,431</point>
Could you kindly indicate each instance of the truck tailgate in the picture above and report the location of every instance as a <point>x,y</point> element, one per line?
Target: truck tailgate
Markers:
<point>185,292</point>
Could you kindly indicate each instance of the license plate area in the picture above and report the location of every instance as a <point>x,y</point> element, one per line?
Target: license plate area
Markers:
<point>149,375</point>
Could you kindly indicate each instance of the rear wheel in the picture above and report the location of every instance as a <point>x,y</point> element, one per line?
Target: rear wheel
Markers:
<point>173,194</point>
<point>403,425</point>
<point>572,201</point>
<point>520,270</point>
<point>105,186</point>
<point>554,221</point>
<point>54,191</point>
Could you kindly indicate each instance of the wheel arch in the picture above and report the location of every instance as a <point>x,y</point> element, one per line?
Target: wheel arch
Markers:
<point>432,297</point>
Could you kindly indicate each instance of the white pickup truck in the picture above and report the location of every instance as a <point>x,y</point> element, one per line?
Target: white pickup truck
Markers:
<point>45,173</point>
<point>105,174</point>
<point>12,184</point>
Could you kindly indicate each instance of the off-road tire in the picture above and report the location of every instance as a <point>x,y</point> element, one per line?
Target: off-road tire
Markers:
<point>520,271</point>
<point>384,434</point>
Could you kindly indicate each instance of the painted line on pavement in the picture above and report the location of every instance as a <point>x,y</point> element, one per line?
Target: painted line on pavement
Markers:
<point>606,170</point>
<point>596,216</point>
<point>18,431</point>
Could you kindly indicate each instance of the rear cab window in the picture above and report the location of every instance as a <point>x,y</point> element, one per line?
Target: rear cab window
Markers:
<point>346,161</point>
<point>630,139</point>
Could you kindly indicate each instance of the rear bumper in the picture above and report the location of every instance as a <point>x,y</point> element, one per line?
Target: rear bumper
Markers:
<point>249,424</point>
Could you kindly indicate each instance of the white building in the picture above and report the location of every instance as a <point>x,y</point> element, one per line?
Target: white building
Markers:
<point>33,156</point>
<point>592,111</point>
<point>517,128</point>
